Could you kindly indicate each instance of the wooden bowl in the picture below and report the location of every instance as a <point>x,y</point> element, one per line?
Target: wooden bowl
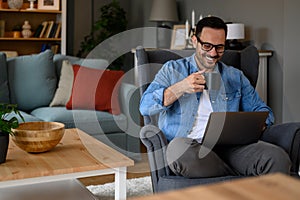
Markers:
<point>36,137</point>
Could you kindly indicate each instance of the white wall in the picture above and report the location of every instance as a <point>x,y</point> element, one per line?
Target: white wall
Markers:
<point>291,66</point>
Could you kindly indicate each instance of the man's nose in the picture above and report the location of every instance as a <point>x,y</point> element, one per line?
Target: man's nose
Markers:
<point>213,52</point>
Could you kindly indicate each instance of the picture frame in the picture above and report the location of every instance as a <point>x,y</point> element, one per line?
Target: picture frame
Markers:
<point>178,37</point>
<point>48,4</point>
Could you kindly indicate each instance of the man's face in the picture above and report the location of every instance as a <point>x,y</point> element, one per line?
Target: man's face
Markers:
<point>205,58</point>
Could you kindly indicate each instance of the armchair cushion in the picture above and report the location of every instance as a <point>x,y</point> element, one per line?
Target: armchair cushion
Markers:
<point>179,182</point>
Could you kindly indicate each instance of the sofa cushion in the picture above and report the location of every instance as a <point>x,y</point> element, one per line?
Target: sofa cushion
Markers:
<point>63,65</point>
<point>27,117</point>
<point>65,84</point>
<point>4,92</point>
<point>32,80</point>
<point>96,63</point>
<point>93,122</point>
<point>95,89</point>
<point>58,61</point>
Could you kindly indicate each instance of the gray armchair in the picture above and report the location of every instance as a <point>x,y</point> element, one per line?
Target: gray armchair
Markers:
<point>149,62</point>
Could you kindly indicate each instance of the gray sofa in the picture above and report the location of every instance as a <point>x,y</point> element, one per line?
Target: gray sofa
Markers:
<point>31,82</point>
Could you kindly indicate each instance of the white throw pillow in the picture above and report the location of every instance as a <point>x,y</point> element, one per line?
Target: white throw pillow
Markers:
<point>64,90</point>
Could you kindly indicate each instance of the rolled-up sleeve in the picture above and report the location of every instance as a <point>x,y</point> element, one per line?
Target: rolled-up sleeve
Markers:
<point>152,100</point>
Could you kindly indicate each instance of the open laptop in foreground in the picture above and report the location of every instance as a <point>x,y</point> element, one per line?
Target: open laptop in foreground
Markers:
<point>234,128</point>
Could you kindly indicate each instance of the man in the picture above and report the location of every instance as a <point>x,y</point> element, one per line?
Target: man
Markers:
<point>178,94</point>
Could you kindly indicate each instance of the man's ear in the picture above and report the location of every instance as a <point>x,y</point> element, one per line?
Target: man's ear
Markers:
<point>194,41</point>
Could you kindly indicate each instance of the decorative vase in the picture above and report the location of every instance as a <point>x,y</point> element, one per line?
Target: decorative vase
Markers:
<point>26,32</point>
<point>4,141</point>
<point>15,4</point>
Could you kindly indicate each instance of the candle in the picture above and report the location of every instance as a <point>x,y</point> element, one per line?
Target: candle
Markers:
<point>186,29</point>
<point>200,17</point>
<point>193,19</point>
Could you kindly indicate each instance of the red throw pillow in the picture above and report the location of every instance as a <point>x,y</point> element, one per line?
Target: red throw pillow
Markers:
<point>95,89</point>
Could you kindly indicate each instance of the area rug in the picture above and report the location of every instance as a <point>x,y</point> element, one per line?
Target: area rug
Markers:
<point>135,187</point>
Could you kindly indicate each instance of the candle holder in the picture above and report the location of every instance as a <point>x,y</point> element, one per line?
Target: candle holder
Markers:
<point>31,5</point>
<point>188,41</point>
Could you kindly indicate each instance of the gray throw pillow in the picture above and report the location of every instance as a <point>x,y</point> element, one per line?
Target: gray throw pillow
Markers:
<point>32,80</point>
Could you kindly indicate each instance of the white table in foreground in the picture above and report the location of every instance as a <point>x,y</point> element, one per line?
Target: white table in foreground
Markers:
<point>78,155</point>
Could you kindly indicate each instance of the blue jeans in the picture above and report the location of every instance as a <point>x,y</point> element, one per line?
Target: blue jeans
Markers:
<point>186,157</point>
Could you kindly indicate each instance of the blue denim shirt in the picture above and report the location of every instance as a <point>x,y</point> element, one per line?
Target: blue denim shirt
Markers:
<point>235,94</point>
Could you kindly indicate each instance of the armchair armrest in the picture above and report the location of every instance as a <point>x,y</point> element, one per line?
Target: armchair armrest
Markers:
<point>155,142</point>
<point>129,99</point>
<point>287,136</point>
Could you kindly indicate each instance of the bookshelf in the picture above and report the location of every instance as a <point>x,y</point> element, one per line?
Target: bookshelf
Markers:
<point>32,45</point>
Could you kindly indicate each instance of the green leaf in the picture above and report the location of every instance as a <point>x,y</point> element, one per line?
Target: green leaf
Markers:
<point>7,124</point>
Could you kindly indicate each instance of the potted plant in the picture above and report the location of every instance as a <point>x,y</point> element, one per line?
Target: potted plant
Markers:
<point>7,123</point>
<point>16,31</point>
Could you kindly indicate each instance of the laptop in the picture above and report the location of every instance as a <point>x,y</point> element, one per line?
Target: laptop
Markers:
<point>234,128</point>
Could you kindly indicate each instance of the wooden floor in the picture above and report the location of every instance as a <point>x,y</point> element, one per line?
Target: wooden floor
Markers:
<point>140,169</point>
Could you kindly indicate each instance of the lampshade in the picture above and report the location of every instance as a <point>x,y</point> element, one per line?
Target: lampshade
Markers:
<point>164,11</point>
<point>235,31</point>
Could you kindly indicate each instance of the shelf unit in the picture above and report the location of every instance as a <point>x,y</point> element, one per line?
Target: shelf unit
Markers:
<point>31,45</point>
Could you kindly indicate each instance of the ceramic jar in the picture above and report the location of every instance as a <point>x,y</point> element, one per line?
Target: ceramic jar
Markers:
<point>26,32</point>
<point>15,4</point>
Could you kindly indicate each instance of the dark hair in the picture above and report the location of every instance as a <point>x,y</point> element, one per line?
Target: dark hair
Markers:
<point>212,22</point>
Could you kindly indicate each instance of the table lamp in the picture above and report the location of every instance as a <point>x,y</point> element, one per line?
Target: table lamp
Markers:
<point>164,11</point>
<point>235,32</point>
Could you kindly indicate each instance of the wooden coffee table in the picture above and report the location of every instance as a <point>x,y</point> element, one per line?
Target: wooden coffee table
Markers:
<point>273,186</point>
<point>78,155</point>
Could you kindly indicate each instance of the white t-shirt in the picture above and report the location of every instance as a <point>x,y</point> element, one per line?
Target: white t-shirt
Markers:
<point>201,119</point>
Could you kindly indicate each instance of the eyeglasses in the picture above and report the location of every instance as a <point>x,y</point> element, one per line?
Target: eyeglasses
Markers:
<point>206,46</point>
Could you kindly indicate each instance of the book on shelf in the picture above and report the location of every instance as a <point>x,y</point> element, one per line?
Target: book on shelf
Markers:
<point>2,28</point>
<point>48,30</point>
<point>45,24</point>
<point>58,29</point>
<point>38,31</point>
<point>53,30</point>
<point>45,46</point>
<point>54,47</point>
